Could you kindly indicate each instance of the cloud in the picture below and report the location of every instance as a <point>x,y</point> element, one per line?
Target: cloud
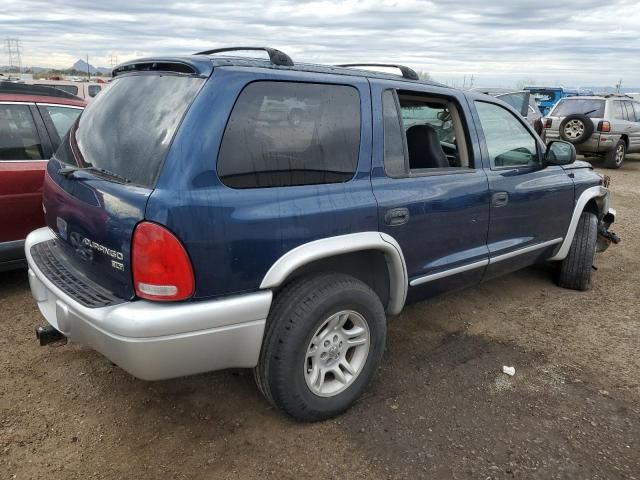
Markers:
<point>572,42</point>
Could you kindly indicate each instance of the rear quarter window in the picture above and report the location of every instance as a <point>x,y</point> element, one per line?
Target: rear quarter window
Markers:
<point>286,134</point>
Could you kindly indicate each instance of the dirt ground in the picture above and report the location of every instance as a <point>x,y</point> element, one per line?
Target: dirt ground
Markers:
<point>440,407</point>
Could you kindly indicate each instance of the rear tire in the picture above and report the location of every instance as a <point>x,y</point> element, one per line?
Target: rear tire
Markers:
<point>576,270</point>
<point>305,324</point>
<point>615,158</point>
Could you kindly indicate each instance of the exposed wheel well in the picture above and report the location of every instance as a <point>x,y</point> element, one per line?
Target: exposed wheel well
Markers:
<point>625,139</point>
<point>368,266</point>
<point>592,207</point>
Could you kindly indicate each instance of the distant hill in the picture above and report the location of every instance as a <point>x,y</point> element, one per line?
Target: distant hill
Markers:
<point>82,66</point>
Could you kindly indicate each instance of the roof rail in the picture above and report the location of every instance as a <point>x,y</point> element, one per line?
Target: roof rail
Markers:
<point>407,72</point>
<point>276,56</point>
<point>608,95</point>
<point>30,89</point>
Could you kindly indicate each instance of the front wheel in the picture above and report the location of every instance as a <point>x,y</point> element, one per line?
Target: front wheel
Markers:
<point>576,270</point>
<point>323,343</point>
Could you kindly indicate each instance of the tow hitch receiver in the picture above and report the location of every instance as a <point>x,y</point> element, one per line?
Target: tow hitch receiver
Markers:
<point>47,334</point>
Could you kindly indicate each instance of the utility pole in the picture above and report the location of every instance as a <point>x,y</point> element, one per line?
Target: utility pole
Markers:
<point>471,85</point>
<point>88,68</point>
<point>618,86</point>
<point>14,52</point>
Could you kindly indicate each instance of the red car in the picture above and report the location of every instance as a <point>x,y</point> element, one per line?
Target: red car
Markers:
<point>33,120</point>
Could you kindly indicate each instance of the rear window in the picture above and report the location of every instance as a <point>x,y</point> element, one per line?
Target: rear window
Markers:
<point>128,128</point>
<point>285,134</point>
<point>72,89</point>
<point>592,108</point>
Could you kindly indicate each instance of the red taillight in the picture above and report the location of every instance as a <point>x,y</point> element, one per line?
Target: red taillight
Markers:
<point>161,267</point>
<point>604,126</point>
<point>547,123</point>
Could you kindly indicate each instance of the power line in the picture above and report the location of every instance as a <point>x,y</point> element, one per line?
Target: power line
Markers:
<point>14,52</point>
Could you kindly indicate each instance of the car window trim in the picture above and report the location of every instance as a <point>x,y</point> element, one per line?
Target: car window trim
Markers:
<point>527,128</point>
<point>339,82</point>
<point>61,105</point>
<point>427,172</point>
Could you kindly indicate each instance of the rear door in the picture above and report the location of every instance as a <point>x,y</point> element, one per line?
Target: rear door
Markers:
<point>430,186</point>
<point>531,205</point>
<point>24,148</point>
<point>633,125</point>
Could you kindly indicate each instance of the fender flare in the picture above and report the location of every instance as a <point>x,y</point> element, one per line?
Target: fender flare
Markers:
<point>601,194</point>
<point>341,244</point>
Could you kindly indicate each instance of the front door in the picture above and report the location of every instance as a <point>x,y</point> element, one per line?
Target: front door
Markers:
<point>431,190</point>
<point>531,204</point>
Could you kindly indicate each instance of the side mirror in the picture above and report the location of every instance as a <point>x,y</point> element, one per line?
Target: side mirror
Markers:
<point>560,153</point>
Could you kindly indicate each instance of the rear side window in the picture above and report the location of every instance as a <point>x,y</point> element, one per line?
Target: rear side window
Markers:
<point>62,118</point>
<point>128,128</point>
<point>617,111</point>
<point>592,108</point>
<point>19,139</point>
<point>285,134</point>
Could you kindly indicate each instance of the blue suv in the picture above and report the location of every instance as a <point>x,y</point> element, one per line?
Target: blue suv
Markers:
<point>209,212</point>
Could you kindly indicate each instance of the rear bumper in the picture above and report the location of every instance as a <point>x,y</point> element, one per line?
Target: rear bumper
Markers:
<point>154,341</point>
<point>596,143</point>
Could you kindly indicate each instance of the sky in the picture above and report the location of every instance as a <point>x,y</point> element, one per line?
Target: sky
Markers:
<point>499,42</point>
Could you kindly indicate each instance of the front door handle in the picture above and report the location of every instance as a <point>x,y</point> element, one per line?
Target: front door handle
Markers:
<point>396,216</point>
<point>500,199</point>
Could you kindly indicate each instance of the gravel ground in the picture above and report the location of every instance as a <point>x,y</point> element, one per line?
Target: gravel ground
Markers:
<point>440,407</point>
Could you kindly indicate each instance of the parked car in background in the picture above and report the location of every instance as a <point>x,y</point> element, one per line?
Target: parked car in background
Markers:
<point>522,101</point>
<point>547,97</point>
<point>33,121</point>
<point>85,90</point>
<point>604,125</point>
<point>230,236</point>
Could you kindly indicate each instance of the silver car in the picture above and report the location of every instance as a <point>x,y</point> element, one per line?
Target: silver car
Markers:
<point>601,125</point>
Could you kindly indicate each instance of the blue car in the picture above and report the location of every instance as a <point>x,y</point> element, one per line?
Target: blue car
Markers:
<point>209,212</point>
<point>547,97</point>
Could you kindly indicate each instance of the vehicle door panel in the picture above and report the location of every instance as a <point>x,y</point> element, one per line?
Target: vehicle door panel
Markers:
<point>447,211</point>
<point>531,204</point>
<point>24,148</point>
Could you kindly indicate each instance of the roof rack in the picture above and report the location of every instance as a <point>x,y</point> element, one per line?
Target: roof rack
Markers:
<point>28,89</point>
<point>407,72</point>
<point>275,56</point>
<point>608,95</point>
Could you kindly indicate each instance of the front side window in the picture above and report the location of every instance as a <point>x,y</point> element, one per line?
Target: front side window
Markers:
<point>509,143</point>
<point>19,139</point>
<point>286,134</point>
<point>62,118</point>
<point>431,129</point>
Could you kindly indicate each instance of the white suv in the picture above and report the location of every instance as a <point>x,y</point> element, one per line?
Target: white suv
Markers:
<point>601,125</point>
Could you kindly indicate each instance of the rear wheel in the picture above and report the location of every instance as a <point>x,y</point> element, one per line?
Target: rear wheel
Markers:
<point>576,270</point>
<point>615,158</point>
<point>323,343</point>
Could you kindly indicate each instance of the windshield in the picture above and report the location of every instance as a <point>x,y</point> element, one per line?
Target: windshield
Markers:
<point>592,108</point>
<point>128,128</point>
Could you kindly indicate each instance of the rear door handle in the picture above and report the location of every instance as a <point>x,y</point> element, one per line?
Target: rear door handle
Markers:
<point>500,199</point>
<point>396,216</point>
